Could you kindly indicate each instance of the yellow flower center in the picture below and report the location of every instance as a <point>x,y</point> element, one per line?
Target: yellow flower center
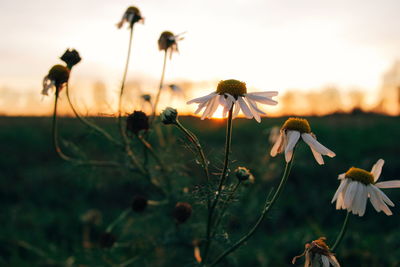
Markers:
<point>360,175</point>
<point>297,124</point>
<point>232,87</point>
<point>59,74</point>
<point>319,246</point>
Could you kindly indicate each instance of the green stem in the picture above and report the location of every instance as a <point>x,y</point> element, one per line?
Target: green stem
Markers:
<point>63,156</point>
<point>159,87</point>
<point>89,123</point>
<point>192,138</point>
<point>121,217</point>
<point>267,207</point>
<point>225,207</point>
<point>221,183</point>
<point>342,233</point>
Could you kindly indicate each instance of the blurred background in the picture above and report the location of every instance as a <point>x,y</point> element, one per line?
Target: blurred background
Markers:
<point>323,56</point>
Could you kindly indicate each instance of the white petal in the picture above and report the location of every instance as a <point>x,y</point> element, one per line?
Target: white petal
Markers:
<point>262,99</point>
<point>312,142</point>
<point>377,169</point>
<point>385,198</point>
<point>333,261</point>
<point>277,145</point>
<point>230,100</point>
<point>374,198</point>
<point>350,193</point>
<point>253,111</point>
<point>340,198</point>
<point>361,199</point>
<point>253,104</point>
<point>245,108</point>
<point>236,109</point>
<point>265,94</point>
<point>293,138</point>
<point>340,188</point>
<point>317,156</point>
<point>213,103</point>
<point>201,99</point>
<point>342,176</point>
<point>200,107</point>
<point>325,261</point>
<point>389,184</point>
<point>382,205</point>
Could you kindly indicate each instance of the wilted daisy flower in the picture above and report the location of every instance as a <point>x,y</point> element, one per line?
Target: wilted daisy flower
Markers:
<point>169,115</point>
<point>317,254</point>
<point>169,41</point>
<point>56,79</point>
<point>357,185</point>
<point>131,16</point>
<point>182,212</point>
<point>71,57</point>
<point>136,122</point>
<point>290,134</point>
<point>234,93</point>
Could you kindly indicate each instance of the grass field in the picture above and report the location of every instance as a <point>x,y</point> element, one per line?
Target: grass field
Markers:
<point>43,198</point>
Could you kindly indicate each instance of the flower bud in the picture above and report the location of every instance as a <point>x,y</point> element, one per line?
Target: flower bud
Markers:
<point>182,212</point>
<point>139,203</point>
<point>71,58</point>
<point>136,122</point>
<point>107,240</point>
<point>169,115</point>
<point>243,174</point>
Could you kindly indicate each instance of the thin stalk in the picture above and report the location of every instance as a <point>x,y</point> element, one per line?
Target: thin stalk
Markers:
<point>159,87</point>
<point>128,149</point>
<point>342,233</point>
<point>192,138</point>
<point>121,217</point>
<point>267,207</point>
<point>221,183</point>
<point>63,156</point>
<point>89,123</point>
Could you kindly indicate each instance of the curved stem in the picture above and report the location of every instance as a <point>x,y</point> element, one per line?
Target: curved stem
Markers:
<point>342,232</point>
<point>267,207</point>
<point>160,86</point>
<point>89,123</point>
<point>195,141</point>
<point>221,183</point>
<point>63,156</point>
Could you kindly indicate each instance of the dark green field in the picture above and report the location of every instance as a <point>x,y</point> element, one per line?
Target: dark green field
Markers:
<point>44,198</point>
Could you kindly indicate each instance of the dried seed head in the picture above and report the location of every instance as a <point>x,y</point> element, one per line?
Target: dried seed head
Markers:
<point>182,212</point>
<point>139,203</point>
<point>243,174</point>
<point>166,40</point>
<point>71,57</point>
<point>169,115</point>
<point>107,240</point>
<point>136,122</point>
<point>135,12</point>
<point>146,97</point>
<point>319,246</point>
<point>59,74</point>
<point>360,175</point>
<point>297,124</point>
<point>233,87</point>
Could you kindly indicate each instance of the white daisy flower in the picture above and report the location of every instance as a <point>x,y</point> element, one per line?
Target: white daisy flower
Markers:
<point>55,80</point>
<point>233,93</point>
<point>357,185</point>
<point>131,16</point>
<point>290,133</point>
<point>317,254</point>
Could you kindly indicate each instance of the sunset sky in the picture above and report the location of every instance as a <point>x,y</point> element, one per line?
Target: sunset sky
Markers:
<point>271,45</point>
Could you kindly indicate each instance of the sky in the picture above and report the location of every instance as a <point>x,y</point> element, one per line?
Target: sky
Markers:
<point>271,45</point>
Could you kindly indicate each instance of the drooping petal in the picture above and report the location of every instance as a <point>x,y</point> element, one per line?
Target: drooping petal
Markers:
<point>47,85</point>
<point>325,261</point>
<point>236,109</point>
<point>340,188</point>
<point>382,205</point>
<point>360,200</point>
<point>254,112</point>
<point>253,104</point>
<point>377,169</point>
<point>245,108</point>
<point>342,176</point>
<point>333,261</point>
<point>210,106</point>
<point>350,193</point>
<point>202,99</point>
<point>277,146</point>
<point>262,99</point>
<point>374,198</point>
<point>341,194</point>
<point>293,138</point>
<point>317,156</point>
<point>200,107</point>
<point>312,142</point>
<point>388,184</point>
<point>385,198</point>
